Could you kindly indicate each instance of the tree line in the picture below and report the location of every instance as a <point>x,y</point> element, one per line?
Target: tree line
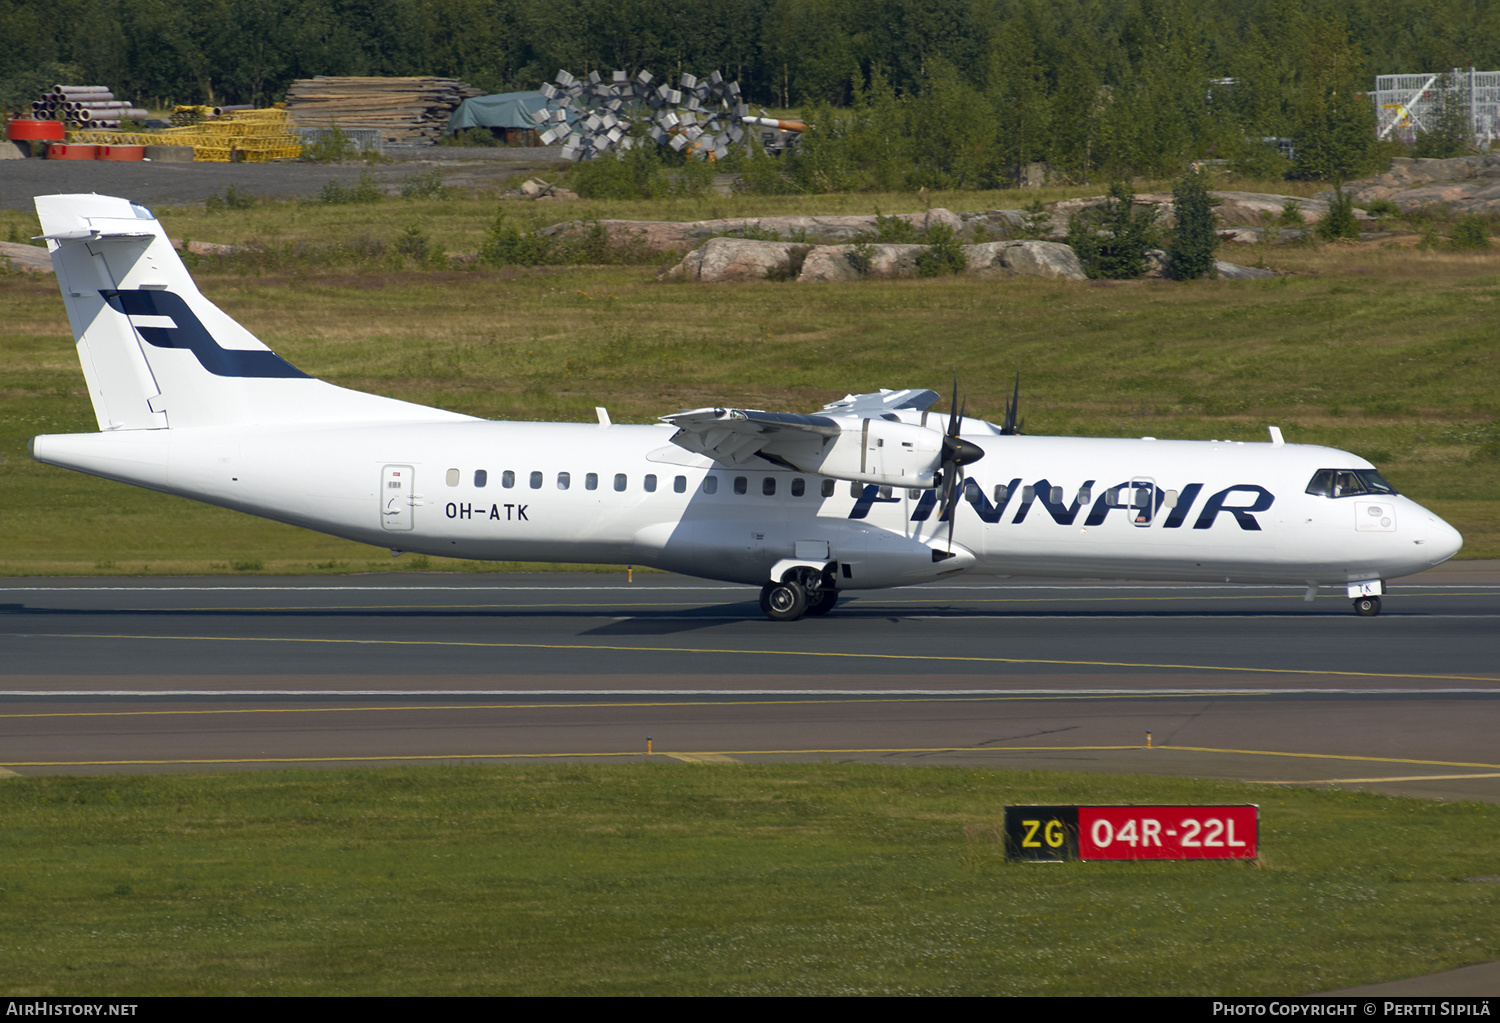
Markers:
<point>971,89</point>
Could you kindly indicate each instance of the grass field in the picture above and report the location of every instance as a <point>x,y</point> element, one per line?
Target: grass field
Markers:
<point>1386,351</point>
<point>660,879</point>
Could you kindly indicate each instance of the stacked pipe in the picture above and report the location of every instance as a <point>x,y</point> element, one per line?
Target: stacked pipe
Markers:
<point>85,106</point>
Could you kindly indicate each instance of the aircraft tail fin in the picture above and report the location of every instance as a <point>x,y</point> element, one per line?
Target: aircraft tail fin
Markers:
<point>156,353</point>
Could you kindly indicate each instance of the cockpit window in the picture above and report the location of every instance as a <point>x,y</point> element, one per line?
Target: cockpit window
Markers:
<point>1348,483</point>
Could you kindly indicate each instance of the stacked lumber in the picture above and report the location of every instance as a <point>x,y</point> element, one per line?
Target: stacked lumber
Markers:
<point>405,110</point>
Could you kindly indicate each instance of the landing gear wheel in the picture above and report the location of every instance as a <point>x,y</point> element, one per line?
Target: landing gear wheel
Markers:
<point>1367,607</point>
<point>822,602</point>
<point>783,602</point>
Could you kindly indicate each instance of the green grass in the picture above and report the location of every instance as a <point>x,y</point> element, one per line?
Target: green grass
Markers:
<point>1385,352</point>
<point>654,879</point>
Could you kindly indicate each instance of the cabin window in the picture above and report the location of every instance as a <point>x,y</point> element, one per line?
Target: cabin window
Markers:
<point>1057,495</point>
<point>914,495</point>
<point>799,486</point>
<point>481,477</point>
<point>591,481</point>
<point>650,482</point>
<point>885,493</point>
<point>619,481</point>
<point>768,486</point>
<point>1028,492</point>
<point>1001,493</point>
<point>1085,496</point>
<point>1348,483</point>
<point>536,481</point>
<point>679,484</point>
<point>564,480</point>
<point>710,484</point>
<point>452,477</point>
<point>856,489</point>
<point>1169,499</point>
<point>741,485</point>
<point>828,488</point>
<point>507,479</point>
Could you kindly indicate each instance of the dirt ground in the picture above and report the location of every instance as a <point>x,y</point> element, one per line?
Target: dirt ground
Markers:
<point>169,184</point>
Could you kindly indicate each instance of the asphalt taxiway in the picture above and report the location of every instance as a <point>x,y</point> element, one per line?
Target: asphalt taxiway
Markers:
<point>1250,683</point>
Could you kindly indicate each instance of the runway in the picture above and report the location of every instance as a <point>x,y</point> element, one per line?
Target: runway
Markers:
<point>1248,683</point>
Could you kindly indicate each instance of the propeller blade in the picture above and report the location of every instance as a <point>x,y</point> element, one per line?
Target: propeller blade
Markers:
<point>1010,427</point>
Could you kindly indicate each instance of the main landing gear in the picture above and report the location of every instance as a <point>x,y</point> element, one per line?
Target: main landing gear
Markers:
<point>1367,607</point>
<point>789,600</point>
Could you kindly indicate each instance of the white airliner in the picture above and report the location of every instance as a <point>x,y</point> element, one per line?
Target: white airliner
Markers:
<point>871,491</point>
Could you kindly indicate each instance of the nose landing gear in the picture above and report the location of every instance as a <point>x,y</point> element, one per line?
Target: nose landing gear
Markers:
<point>1367,607</point>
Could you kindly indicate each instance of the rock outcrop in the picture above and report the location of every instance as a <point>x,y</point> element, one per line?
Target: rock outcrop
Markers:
<point>25,258</point>
<point>736,259</point>
<point>1467,184</point>
<point>666,235</point>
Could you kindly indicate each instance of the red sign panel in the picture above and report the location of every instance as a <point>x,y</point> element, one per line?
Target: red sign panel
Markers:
<point>1168,832</point>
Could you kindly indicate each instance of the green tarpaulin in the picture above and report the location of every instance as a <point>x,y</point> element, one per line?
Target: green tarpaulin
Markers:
<point>505,110</point>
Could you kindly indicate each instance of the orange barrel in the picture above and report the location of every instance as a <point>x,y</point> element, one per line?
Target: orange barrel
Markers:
<point>122,153</point>
<point>71,151</point>
<point>27,130</point>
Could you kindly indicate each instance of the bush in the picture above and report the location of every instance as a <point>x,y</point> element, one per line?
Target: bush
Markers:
<point>364,191</point>
<point>945,253</point>
<point>1111,242</point>
<point>331,145</point>
<point>483,137</point>
<point>763,175</point>
<point>425,186</point>
<point>1471,232</point>
<point>507,245</point>
<point>232,199</point>
<point>1194,239</point>
<point>1340,222</point>
<point>796,256</point>
<point>894,230</point>
<point>1037,223</point>
<point>645,171</point>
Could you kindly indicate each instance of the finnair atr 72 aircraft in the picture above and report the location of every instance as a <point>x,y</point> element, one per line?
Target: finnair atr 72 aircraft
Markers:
<point>871,491</point>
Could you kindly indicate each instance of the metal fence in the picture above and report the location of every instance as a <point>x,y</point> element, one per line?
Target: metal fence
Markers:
<point>1407,105</point>
<point>364,140</point>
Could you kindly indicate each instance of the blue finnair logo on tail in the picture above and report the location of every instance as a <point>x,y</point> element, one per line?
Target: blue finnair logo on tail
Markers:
<point>187,332</point>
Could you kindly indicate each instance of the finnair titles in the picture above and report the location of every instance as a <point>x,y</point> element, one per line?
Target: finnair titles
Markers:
<point>873,490</point>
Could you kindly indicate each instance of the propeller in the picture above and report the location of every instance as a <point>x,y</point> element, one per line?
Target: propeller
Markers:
<point>957,453</point>
<point>1010,428</point>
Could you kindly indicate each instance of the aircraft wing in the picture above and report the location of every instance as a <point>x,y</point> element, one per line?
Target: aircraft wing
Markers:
<point>848,440</point>
<point>882,401</point>
<point>734,436</point>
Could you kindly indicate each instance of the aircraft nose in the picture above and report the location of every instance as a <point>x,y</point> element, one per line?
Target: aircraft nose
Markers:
<point>1442,540</point>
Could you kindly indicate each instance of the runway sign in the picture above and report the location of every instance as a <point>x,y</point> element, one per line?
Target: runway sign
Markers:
<point>1059,833</point>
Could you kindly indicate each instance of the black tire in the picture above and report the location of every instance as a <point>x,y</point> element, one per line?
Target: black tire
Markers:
<point>1367,607</point>
<point>783,602</point>
<point>823,602</point>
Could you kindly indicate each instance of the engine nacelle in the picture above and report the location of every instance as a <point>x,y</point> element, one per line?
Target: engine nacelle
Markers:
<point>878,451</point>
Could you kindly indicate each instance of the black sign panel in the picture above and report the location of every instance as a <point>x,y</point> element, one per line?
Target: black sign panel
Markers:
<point>1046,833</point>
